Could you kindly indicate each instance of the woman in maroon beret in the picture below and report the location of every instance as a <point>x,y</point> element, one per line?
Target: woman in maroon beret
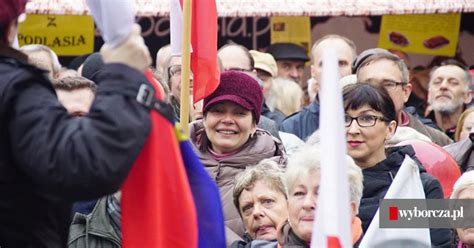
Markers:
<point>227,139</point>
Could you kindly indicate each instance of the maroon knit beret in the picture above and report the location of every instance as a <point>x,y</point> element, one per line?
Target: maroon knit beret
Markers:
<point>9,11</point>
<point>238,88</point>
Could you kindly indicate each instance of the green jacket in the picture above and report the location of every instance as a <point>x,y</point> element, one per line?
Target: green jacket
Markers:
<point>93,230</point>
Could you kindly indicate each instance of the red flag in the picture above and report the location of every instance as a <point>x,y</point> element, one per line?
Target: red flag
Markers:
<point>157,204</point>
<point>204,44</point>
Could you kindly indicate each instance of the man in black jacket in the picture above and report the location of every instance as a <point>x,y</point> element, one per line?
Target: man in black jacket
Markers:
<point>48,158</point>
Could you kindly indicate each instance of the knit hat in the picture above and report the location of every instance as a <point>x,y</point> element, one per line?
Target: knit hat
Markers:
<point>264,62</point>
<point>363,56</point>
<point>9,11</point>
<point>288,51</point>
<point>238,88</point>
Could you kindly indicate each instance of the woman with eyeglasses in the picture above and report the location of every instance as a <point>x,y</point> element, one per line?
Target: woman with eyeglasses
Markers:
<point>172,77</point>
<point>370,121</point>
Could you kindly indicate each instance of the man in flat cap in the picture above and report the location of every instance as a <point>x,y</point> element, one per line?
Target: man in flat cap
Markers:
<point>290,59</point>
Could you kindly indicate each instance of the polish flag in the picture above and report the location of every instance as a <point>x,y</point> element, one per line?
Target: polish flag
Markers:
<point>204,64</point>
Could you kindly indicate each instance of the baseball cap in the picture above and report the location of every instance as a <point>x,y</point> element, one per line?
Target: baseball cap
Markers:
<point>264,62</point>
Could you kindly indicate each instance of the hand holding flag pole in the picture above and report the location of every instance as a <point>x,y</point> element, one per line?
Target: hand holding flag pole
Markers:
<point>157,202</point>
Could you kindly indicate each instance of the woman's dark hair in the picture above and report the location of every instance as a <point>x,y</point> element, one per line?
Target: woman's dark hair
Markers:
<point>360,94</point>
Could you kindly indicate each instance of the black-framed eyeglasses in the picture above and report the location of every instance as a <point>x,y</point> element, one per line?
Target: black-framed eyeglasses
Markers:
<point>391,85</point>
<point>388,84</point>
<point>363,120</point>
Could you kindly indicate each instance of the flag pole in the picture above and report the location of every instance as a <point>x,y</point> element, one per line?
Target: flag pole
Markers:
<point>185,71</point>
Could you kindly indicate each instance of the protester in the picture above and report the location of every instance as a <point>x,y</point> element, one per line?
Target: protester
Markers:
<point>346,52</point>
<point>291,59</point>
<point>227,139</point>
<point>305,122</point>
<point>419,80</point>
<point>302,183</point>
<point>101,228</point>
<point>448,94</point>
<point>380,68</point>
<point>462,150</point>
<point>43,57</point>
<point>76,94</point>
<point>464,125</point>
<point>370,121</point>
<point>172,76</point>
<point>285,97</point>
<point>50,159</point>
<point>464,189</point>
<point>266,68</point>
<point>260,197</point>
<point>235,57</point>
<point>162,56</point>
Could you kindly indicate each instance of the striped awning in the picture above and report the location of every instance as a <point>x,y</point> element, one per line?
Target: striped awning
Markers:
<point>241,8</point>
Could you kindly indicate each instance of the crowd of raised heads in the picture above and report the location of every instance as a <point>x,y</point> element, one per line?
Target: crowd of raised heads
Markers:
<point>70,135</point>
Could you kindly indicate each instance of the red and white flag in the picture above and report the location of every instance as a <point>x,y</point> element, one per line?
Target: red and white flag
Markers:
<point>204,63</point>
<point>332,225</point>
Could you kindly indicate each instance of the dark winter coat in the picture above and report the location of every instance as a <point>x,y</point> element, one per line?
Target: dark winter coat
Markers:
<point>303,123</point>
<point>377,180</point>
<point>49,159</point>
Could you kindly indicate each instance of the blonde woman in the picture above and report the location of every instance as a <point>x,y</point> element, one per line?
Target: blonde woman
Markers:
<point>285,96</point>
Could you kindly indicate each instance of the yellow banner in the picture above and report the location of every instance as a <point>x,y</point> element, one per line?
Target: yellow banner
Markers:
<point>291,29</point>
<point>435,34</point>
<point>67,35</point>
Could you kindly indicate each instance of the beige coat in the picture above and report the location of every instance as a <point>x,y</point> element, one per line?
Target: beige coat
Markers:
<point>262,145</point>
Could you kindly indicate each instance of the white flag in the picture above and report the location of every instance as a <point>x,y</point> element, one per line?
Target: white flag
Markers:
<point>176,27</point>
<point>114,18</point>
<point>332,225</point>
<point>406,185</point>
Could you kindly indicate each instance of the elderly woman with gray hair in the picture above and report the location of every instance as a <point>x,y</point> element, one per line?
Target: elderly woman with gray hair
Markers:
<point>464,189</point>
<point>302,183</point>
<point>260,198</point>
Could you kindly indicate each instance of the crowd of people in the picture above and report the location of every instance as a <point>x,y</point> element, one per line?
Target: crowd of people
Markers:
<point>69,136</point>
